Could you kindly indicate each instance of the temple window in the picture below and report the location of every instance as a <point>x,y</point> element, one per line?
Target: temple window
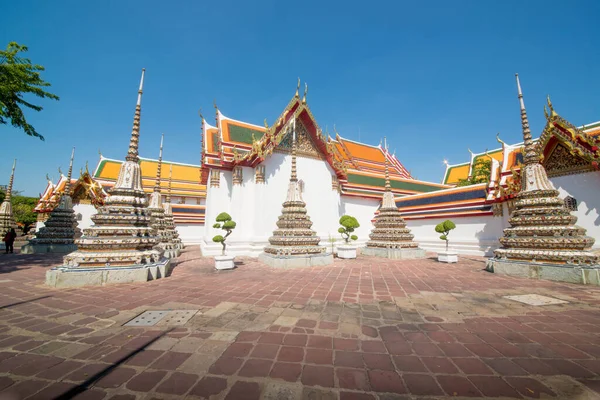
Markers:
<point>181,200</point>
<point>79,217</point>
<point>571,203</point>
<point>301,185</point>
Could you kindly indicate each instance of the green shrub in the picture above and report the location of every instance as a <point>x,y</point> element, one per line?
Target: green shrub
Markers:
<point>224,222</point>
<point>444,228</point>
<point>349,224</point>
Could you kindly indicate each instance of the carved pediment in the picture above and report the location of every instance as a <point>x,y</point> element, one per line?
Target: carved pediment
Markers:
<point>304,143</point>
<point>562,162</point>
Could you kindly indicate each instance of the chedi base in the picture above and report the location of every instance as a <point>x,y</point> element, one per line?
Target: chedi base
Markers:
<point>586,275</point>
<point>62,277</point>
<point>394,254</point>
<point>296,261</point>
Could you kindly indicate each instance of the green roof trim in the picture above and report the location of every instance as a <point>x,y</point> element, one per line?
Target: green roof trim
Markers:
<point>100,168</point>
<point>243,135</point>
<point>215,142</point>
<point>380,182</point>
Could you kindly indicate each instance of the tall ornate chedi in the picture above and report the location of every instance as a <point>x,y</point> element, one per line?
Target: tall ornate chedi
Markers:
<point>7,220</point>
<point>391,238</point>
<point>168,217</point>
<point>120,246</point>
<point>294,244</point>
<point>157,212</point>
<point>59,231</point>
<point>543,240</point>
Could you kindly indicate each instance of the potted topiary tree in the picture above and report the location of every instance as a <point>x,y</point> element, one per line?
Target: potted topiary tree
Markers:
<point>448,256</point>
<point>224,222</point>
<point>348,225</point>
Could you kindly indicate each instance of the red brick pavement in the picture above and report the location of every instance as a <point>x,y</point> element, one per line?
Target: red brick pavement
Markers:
<point>360,329</point>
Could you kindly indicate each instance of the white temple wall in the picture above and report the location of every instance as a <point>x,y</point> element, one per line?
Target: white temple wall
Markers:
<point>363,210</point>
<point>256,207</point>
<point>86,211</point>
<point>472,236</point>
<point>190,234</point>
<point>585,188</point>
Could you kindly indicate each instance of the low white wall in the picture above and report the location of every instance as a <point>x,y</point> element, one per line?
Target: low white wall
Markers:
<point>190,234</point>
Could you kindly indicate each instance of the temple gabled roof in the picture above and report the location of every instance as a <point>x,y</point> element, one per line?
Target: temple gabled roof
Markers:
<point>83,189</point>
<point>185,178</point>
<point>558,136</point>
<point>359,167</point>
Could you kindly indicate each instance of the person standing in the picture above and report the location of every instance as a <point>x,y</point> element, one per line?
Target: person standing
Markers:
<point>9,239</point>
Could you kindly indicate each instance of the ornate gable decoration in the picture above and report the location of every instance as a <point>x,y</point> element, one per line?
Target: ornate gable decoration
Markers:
<point>562,162</point>
<point>574,141</point>
<point>304,144</point>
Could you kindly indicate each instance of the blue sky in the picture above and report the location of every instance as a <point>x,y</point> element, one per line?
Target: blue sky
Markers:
<point>435,77</point>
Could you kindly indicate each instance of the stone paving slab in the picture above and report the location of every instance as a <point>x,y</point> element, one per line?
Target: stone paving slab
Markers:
<point>360,329</point>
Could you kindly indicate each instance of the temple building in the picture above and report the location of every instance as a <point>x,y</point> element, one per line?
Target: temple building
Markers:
<point>481,211</point>
<point>245,171</point>
<point>245,168</point>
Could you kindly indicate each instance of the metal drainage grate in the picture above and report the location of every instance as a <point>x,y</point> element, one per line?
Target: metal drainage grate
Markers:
<point>535,299</point>
<point>177,317</point>
<point>147,318</point>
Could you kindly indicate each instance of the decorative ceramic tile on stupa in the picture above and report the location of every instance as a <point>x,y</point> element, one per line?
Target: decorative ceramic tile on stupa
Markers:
<point>390,230</point>
<point>294,236</point>
<point>7,220</point>
<point>169,223</point>
<point>122,235</point>
<point>60,229</point>
<point>542,229</point>
<point>161,226</point>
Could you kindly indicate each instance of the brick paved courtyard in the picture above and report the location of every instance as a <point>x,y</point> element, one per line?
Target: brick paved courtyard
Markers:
<point>360,329</point>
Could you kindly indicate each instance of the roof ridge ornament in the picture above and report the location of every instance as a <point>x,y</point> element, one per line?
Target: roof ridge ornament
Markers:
<point>500,140</point>
<point>298,89</point>
<point>305,93</point>
<point>200,114</point>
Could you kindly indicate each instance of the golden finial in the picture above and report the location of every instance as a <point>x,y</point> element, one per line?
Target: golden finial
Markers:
<point>266,124</point>
<point>305,92</point>
<point>87,171</point>
<point>298,89</point>
<point>549,103</point>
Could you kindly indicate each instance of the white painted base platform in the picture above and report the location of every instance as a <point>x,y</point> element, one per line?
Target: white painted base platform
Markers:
<point>296,261</point>
<point>394,254</point>
<point>450,256</point>
<point>224,262</point>
<point>554,272</point>
<point>347,252</point>
<point>30,248</point>
<point>63,277</point>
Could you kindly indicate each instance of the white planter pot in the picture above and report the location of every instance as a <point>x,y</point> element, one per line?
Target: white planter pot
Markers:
<point>346,252</point>
<point>224,262</point>
<point>450,256</point>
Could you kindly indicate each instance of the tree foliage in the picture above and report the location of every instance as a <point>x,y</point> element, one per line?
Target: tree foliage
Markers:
<point>444,228</point>
<point>22,208</point>
<point>482,170</point>
<point>349,224</point>
<point>225,222</point>
<point>18,77</point>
